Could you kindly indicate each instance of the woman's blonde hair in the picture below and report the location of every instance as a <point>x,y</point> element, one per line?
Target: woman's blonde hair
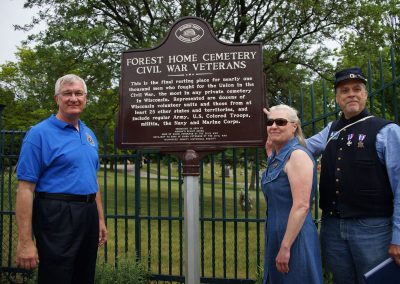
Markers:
<point>292,116</point>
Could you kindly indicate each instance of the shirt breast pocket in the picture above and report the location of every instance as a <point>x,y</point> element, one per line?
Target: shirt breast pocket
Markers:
<point>270,175</point>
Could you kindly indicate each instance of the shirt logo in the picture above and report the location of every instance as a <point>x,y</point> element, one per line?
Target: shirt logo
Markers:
<point>89,139</point>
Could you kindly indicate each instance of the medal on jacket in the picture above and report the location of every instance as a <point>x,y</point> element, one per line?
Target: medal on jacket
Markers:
<point>349,137</point>
<point>361,138</point>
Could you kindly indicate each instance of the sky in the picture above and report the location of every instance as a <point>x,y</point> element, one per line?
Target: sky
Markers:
<point>11,13</point>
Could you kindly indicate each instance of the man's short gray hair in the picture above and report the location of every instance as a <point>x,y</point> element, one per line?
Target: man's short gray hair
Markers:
<point>69,78</point>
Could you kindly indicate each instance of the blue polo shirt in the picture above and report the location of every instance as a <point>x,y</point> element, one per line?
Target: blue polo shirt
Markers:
<point>59,159</point>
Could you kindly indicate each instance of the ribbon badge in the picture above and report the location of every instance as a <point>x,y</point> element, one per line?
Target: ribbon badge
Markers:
<point>349,137</point>
<point>361,138</point>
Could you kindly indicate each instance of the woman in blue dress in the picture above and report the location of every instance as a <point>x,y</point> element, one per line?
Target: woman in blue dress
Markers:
<point>292,252</point>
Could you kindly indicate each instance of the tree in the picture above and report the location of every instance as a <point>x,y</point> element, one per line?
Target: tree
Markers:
<point>291,31</point>
<point>371,42</point>
<point>87,37</point>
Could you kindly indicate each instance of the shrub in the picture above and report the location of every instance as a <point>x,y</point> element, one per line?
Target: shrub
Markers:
<point>126,272</point>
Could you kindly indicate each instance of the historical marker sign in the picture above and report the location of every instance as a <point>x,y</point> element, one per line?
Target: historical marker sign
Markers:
<point>192,92</point>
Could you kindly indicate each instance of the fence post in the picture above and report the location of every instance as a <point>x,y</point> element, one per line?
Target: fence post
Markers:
<point>394,92</point>
<point>1,181</point>
<point>138,230</point>
<point>1,115</point>
<point>1,137</point>
<point>1,156</point>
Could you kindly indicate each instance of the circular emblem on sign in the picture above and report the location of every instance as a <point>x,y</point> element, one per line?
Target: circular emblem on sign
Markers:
<point>189,33</point>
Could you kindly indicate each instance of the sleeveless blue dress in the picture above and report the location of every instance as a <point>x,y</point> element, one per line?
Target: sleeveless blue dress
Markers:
<point>305,257</point>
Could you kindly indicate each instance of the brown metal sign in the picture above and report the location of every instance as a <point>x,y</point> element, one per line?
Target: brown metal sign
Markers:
<point>192,92</point>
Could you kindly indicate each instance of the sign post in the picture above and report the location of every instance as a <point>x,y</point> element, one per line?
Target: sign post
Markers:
<point>192,95</point>
<point>191,186</point>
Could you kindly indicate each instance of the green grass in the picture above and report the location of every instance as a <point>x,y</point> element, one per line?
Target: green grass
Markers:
<point>160,239</point>
<point>127,272</point>
<point>227,247</point>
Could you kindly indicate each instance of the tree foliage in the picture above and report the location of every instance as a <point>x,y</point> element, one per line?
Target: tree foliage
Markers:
<point>373,43</point>
<point>87,37</point>
<point>378,30</point>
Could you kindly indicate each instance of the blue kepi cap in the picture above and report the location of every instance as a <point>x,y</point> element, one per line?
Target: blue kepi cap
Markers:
<point>349,73</point>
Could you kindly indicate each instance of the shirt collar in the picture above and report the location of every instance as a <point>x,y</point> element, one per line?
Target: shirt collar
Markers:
<point>285,150</point>
<point>343,121</point>
<point>62,124</point>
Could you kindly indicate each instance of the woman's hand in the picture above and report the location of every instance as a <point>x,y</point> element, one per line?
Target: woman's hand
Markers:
<point>268,147</point>
<point>268,143</point>
<point>282,260</point>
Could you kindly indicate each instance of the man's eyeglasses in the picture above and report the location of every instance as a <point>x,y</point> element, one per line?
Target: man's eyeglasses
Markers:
<point>277,121</point>
<point>69,94</point>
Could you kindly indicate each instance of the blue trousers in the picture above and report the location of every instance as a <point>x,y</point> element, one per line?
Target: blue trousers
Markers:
<point>351,247</point>
<point>67,237</point>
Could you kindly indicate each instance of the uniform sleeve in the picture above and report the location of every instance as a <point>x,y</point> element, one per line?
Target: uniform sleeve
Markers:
<point>316,144</point>
<point>388,149</point>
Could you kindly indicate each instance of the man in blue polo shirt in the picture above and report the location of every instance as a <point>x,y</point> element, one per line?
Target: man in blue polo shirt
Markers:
<point>58,199</point>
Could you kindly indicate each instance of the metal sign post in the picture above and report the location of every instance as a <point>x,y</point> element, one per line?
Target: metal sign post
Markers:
<point>192,242</point>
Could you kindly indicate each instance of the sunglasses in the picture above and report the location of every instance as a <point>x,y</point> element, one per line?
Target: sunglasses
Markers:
<point>277,121</point>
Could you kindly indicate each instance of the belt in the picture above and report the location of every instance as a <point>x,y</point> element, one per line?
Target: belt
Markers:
<point>90,198</point>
